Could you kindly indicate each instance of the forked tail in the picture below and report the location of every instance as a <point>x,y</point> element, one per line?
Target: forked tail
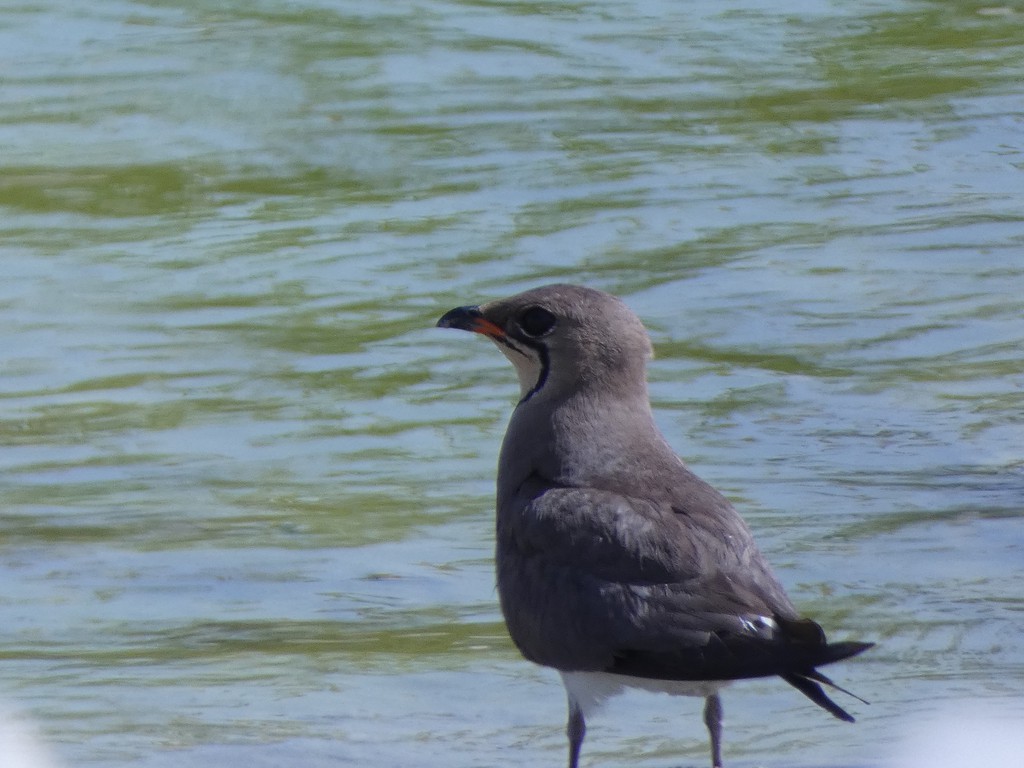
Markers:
<point>806,680</point>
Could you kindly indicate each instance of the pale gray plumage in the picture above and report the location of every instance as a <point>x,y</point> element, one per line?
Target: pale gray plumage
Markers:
<point>616,564</point>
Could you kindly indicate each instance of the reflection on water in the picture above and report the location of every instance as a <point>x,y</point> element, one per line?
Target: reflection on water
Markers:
<point>247,487</point>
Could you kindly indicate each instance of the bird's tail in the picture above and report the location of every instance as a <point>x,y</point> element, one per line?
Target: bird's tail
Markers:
<point>833,652</point>
<point>806,680</point>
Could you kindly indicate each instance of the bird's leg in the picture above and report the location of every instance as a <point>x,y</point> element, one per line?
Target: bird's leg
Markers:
<point>713,720</point>
<point>575,730</point>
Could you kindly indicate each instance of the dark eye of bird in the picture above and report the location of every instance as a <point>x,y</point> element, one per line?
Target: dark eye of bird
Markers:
<point>536,321</point>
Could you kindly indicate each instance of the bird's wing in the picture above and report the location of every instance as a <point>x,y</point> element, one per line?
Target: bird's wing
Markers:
<point>690,540</point>
<point>653,591</point>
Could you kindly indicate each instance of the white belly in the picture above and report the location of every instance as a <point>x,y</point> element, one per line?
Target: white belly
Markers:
<point>589,690</point>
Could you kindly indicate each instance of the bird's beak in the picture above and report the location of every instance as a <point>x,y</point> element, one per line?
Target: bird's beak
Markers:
<point>471,319</point>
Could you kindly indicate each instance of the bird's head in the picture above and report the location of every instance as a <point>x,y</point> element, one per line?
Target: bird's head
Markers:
<point>563,339</point>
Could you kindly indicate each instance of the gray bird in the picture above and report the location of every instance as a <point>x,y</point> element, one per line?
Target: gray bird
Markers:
<point>616,564</point>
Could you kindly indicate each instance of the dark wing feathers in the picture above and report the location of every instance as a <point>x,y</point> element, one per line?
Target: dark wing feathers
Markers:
<point>655,591</point>
<point>708,562</point>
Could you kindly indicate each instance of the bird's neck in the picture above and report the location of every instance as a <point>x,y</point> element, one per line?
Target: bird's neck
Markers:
<point>583,442</point>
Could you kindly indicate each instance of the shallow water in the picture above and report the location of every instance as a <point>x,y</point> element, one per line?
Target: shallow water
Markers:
<point>247,485</point>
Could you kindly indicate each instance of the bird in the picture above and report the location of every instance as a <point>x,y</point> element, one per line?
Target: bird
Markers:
<point>617,565</point>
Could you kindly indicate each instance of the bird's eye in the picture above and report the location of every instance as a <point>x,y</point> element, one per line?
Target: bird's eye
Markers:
<point>536,321</point>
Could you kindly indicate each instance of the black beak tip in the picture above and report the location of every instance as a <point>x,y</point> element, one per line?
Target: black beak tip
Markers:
<point>462,318</point>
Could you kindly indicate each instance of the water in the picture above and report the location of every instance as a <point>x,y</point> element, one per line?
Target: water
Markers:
<point>247,487</point>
